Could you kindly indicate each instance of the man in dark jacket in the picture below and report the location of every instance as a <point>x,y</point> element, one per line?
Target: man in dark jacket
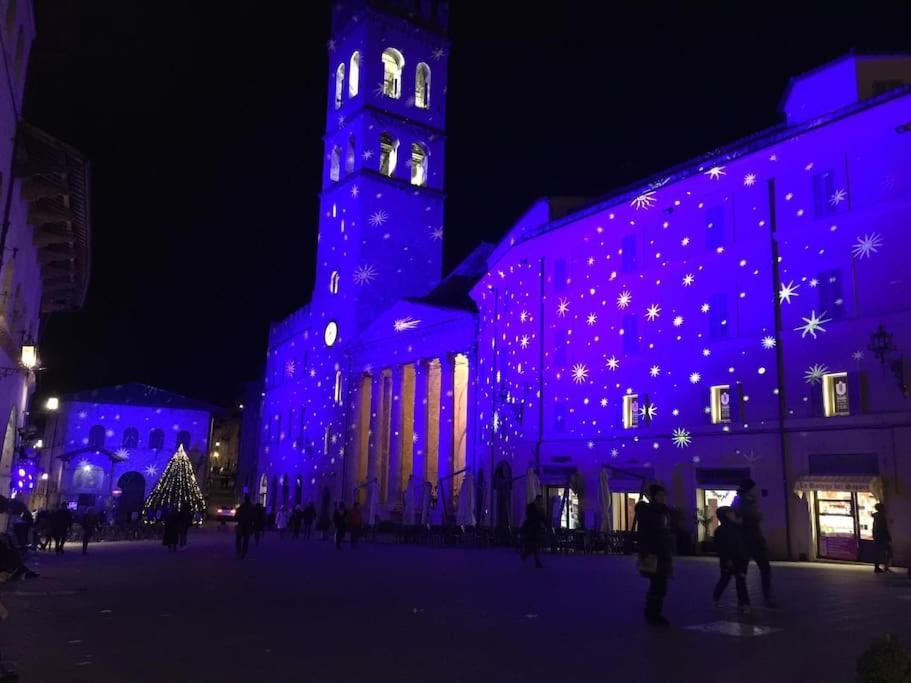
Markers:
<point>533,529</point>
<point>89,525</point>
<point>656,538</point>
<point>245,519</point>
<point>61,522</point>
<point>340,519</point>
<point>882,538</point>
<point>732,557</point>
<point>747,510</point>
<point>309,515</point>
<point>259,521</point>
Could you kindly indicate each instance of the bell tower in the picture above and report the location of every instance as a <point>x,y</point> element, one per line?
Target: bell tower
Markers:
<point>381,206</point>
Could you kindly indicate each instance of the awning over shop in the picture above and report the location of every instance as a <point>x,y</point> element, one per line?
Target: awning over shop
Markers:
<point>839,482</point>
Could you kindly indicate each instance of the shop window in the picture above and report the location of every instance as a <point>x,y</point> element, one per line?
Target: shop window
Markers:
<point>339,85</point>
<point>388,154</point>
<point>565,510</point>
<point>720,403</point>
<point>624,510</point>
<point>709,500</point>
<point>418,164</point>
<point>714,227</point>
<point>393,63</point>
<point>130,437</point>
<point>334,163</point>
<point>422,87</point>
<point>628,263</point>
<point>630,411</point>
<point>831,297</point>
<point>835,394</point>
<point>354,73</point>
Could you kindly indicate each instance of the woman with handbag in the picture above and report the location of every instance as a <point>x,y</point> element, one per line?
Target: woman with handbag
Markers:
<point>656,539</point>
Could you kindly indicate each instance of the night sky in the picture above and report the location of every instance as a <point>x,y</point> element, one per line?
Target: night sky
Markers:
<point>203,124</point>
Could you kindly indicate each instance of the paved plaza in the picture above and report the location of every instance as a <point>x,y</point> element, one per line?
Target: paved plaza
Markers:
<point>302,611</point>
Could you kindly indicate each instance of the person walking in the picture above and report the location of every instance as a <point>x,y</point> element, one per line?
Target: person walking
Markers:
<point>533,530</point>
<point>882,538</point>
<point>296,515</point>
<point>259,521</point>
<point>747,509</point>
<point>355,522</point>
<point>733,557</point>
<point>309,517</point>
<point>60,527</point>
<point>340,521</point>
<point>656,538</point>
<point>281,521</point>
<point>186,521</point>
<point>89,525</point>
<point>172,524</point>
<point>245,519</point>
<point>41,531</point>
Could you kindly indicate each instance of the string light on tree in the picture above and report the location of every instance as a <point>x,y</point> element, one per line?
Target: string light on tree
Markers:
<point>176,490</point>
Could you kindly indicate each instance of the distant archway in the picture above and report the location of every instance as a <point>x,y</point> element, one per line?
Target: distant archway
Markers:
<point>132,487</point>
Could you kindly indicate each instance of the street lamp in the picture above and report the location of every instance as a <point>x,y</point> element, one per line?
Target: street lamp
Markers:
<point>881,344</point>
<point>29,356</point>
<point>52,404</point>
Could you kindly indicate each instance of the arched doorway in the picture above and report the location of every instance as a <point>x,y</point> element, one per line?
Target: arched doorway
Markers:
<point>132,487</point>
<point>502,488</point>
<point>263,489</point>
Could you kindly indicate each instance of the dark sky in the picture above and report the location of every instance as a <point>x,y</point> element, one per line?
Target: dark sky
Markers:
<point>203,123</point>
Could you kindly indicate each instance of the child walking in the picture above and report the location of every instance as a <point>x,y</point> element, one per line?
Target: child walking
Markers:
<point>733,557</point>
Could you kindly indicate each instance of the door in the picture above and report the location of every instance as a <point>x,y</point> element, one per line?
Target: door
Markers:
<point>132,487</point>
<point>837,537</point>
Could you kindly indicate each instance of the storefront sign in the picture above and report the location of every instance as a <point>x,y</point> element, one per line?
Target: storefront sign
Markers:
<point>721,403</point>
<point>838,547</point>
<point>836,399</point>
<point>630,411</point>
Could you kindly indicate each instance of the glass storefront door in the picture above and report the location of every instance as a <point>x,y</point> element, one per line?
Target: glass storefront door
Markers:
<point>844,524</point>
<point>624,509</point>
<point>563,517</point>
<point>709,500</point>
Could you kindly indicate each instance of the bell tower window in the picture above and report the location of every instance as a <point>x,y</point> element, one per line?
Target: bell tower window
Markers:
<point>333,282</point>
<point>349,155</point>
<point>388,154</point>
<point>339,84</point>
<point>354,72</point>
<point>334,164</point>
<point>393,63</point>
<point>418,164</point>
<point>422,87</point>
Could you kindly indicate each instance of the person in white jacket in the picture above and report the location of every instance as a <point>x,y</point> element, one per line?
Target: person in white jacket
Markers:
<point>281,521</point>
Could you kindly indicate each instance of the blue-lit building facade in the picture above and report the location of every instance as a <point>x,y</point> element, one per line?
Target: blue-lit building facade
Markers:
<point>741,316</point>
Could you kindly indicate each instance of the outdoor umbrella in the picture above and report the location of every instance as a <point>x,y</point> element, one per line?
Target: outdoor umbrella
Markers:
<point>604,490</point>
<point>426,496</point>
<point>532,486</point>
<point>408,509</point>
<point>465,513</point>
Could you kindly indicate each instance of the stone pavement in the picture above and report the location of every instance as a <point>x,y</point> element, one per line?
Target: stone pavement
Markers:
<point>302,611</point>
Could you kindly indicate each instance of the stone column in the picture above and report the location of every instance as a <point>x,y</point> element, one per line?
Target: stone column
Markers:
<point>397,406</point>
<point>447,419</point>
<point>419,445</point>
<point>376,410</point>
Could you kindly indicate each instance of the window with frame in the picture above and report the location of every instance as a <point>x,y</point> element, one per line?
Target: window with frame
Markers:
<point>339,84</point>
<point>388,154</point>
<point>418,164</point>
<point>354,72</point>
<point>422,86</point>
<point>393,64</point>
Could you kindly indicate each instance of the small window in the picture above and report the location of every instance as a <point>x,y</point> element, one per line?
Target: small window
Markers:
<point>131,437</point>
<point>422,87</point>
<point>183,439</point>
<point>720,403</point>
<point>714,227</point>
<point>831,297</point>
<point>339,85</point>
<point>628,254</point>
<point>96,437</point>
<point>354,72</point>
<point>327,440</point>
<point>334,164</point>
<point>393,63</point>
<point>349,155</point>
<point>156,439</point>
<point>823,192</point>
<point>560,418</point>
<point>630,411</point>
<point>835,398</point>
<point>388,154</point>
<point>718,316</point>
<point>560,275</point>
<point>333,282</point>
<point>630,334</point>
<point>338,387</point>
<point>418,164</point>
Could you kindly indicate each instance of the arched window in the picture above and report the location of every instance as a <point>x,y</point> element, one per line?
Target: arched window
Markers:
<point>183,439</point>
<point>156,439</point>
<point>264,489</point>
<point>131,437</point>
<point>418,164</point>
<point>422,87</point>
<point>334,163</point>
<point>354,72</point>
<point>96,437</point>
<point>389,147</point>
<point>333,282</point>
<point>338,387</point>
<point>349,155</point>
<point>339,84</point>
<point>393,63</point>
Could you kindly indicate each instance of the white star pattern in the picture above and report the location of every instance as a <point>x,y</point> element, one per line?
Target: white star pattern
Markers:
<point>624,299</point>
<point>653,312</point>
<point>151,470</point>
<point>787,291</point>
<point>436,233</point>
<point>838,197</point>
<point>523,342</point>
<point>768,343</point>
<point>580,373</point>
<point>866,246</point>
<point>814,373</point>
<point>706,352</point>
<point>591,319</point>
<point>378,218</point>
<point>523,316</point>
<point>562,307</point>
<point>604,403</point>
<point>858,355</point>
<point>688,279</point>
<point>685,241</point>
<point>406,323</point>
<point>715,172</point>
<point>654,371</point>
<point>681,437</point>
<point>813,282</point>
<point>704,308</point>
<point>355,191</point>
<point>649,411</point>
<point>678,321</point>
<point>290,367</point>
<point>813,324</point>
<point>365,274</point>
<point>749,180</point>
<point>614,452</point>
<point>438,53</point>
<point>367,154</point>
<point>646,200</point>
<point>613,363</point>
<point>122,453</point>
<point>695,377</point>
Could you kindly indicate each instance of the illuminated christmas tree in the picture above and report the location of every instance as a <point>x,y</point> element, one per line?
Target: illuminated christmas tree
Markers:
<point>177,489</point>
